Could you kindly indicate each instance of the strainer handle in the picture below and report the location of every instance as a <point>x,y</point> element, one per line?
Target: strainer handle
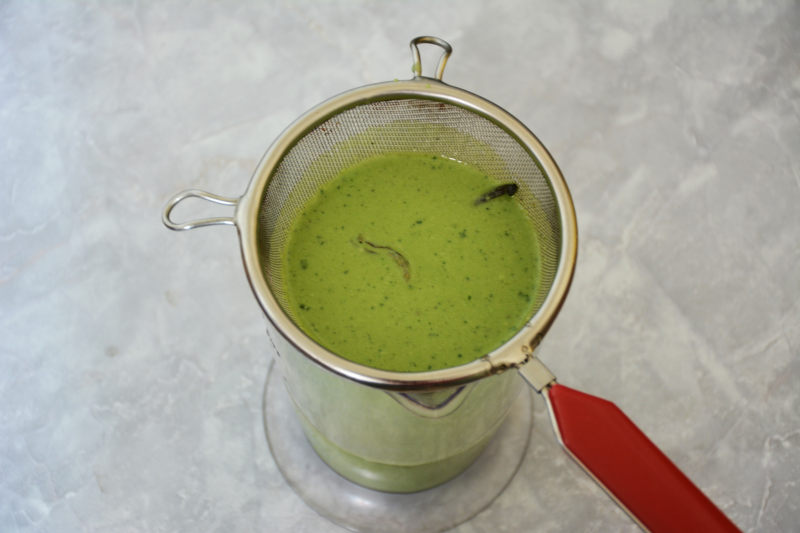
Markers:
<point>203,195</point>
<point>619,456</point>
<point>638,476</point>
<point>426,39</point>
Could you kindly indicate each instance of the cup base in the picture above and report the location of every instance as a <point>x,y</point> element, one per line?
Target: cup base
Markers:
<point>362,509</point>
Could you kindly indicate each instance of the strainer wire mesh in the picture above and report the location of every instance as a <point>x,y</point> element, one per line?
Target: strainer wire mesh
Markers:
<point>402,125</point>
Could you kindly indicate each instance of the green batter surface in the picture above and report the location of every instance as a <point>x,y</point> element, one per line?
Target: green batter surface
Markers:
<point>392,265</point>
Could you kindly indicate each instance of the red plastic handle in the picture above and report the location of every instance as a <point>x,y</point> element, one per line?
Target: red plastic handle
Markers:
<point>629,466</point>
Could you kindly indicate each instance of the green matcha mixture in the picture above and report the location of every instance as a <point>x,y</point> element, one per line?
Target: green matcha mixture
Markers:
<point>394,266</point>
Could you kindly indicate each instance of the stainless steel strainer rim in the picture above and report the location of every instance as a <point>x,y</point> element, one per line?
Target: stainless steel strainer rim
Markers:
<point>517,350</point>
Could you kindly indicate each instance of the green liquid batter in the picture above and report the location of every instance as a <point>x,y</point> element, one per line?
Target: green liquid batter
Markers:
<point>392,265</point>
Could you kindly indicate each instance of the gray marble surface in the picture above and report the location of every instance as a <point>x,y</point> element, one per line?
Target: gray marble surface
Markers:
<point>132,359</point>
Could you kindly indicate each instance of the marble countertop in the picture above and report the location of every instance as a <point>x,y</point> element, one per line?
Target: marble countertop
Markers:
<point>132,358</point>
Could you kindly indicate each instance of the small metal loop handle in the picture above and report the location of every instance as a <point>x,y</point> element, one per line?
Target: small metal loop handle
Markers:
<point>203,195</point>
<point>417,67</point>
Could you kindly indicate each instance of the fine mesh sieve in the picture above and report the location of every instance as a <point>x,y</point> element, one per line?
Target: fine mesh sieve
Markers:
<point>423,115</point>
<point>363,432</point>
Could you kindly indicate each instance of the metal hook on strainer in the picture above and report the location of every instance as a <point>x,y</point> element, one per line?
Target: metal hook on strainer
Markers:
<point>387,441</point>
<point>166,215</point>
<point>447,50</point>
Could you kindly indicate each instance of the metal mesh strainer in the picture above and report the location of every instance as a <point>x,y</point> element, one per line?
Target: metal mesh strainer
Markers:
<point>419,115</point>
<point>426,115</point>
